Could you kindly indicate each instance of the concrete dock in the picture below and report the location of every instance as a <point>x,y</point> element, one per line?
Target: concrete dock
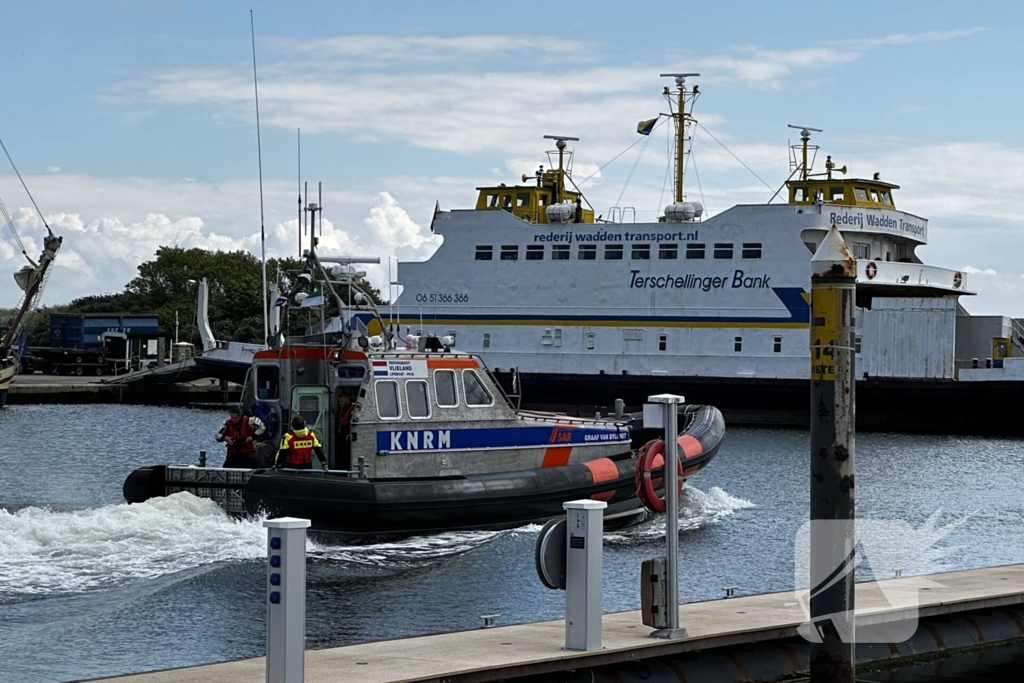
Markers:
<point>988,602</point>
<point>42,389</point>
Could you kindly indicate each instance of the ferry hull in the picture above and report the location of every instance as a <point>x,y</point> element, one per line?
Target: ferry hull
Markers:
<point>6,377</point>
<point>923,406</point>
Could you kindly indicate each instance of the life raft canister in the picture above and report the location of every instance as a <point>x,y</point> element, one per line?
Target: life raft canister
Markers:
<point>648,459</point>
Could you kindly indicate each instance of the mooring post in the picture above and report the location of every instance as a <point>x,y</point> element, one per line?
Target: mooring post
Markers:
<point>670,421</point>
<point>583,573</point>
<point>202,458</point>
<point>286,599</point>
<point>833,333</point>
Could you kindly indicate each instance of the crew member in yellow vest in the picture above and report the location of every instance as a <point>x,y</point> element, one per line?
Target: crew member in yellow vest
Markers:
<point>298,447</point>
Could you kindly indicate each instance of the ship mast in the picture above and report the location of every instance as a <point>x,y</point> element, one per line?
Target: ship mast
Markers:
<point>560,144</point>
<point>805,139</point>
<point>681,118</point>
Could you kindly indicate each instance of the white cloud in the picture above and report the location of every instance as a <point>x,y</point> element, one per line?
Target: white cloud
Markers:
<point>978,271</point>
<point>53,169</point>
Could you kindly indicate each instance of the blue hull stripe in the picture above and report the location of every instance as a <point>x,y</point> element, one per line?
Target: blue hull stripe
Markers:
<point>495,437</point>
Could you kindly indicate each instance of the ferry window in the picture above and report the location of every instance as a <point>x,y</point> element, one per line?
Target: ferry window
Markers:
<point>800,194</point>
<point>444,385</point>
<point>492,201</point>
<point>662,342</point>
<point>522,199</point>
<point>694,251</point>
<point>387,399</point>
<point>874,196</point>
<point>268,384</point>
<point>476,392</point>
<point>506,201</point>
<point>487,340</point>
<point>613,252</point>
<point>641,252</point>
<point>861,250</point>
<point>559,252</point>
<point>856,345</point>
<point>886,198</point>
<point>723,250</point>
<point>416,396</point>
<point>484,253</point>
<point>669,252</point>
<point>589,339</point>
<point>737,344</point>
<point>542,199</point>
<point>811,246</point>
<point>587,252</point>
<point>751,250</point>
<point>836,193</point>
<point>510,252</point>
<point>860,193</point>
<point>777,345</point>
<point>535,252</point>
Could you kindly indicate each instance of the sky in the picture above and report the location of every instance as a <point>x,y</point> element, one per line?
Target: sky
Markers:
<point>134,124</point>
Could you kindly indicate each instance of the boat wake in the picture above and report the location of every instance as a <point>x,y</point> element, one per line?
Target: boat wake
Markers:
<point>697,509</point>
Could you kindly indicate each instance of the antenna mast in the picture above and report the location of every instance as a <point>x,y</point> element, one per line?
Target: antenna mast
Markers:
<point>259,156</point>
<point>805,138</point>
<point>681,118</point>
<point>298,227</point>
<point>560,144</point>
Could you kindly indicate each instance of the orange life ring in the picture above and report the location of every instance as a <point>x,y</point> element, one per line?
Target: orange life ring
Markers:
<point>649,458</point>
<point>872,270</point>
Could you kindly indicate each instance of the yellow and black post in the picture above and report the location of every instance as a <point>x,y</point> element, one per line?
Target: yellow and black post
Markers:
<point>832,560</point>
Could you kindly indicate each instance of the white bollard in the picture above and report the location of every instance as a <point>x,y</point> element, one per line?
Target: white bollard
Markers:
<point>286,599</point>
<point>584,536</point>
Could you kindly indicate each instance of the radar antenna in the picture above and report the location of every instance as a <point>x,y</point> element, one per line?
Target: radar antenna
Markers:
<point>681,118</point>
<point>805,138</point>
<point>560,141</point>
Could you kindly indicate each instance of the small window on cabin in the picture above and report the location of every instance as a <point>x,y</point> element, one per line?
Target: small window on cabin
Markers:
<point>522,199</point>
<point>416,396</point>
<point>751,250</point>
<point>662,342</point>
<point>811,246</point>
<point>777,344</point>
<point>613,252</point>
<point>510,252</point>
<point>874,196</point>
<point>444,386</point>
<point>860,193</point>
<point>543,199</point>
<point>560,252</point>
<point>800,194</point>
<point>861,251</point>
<point>589,339</point>
<point>492,201</point>
<point>836,193</point>
<point>351,372</point>
<point>641,252</point>
<point>856,345</point>
<point>535,252</point>
<point>668,252</point>
<point>268,383</point>
<point>476,392</point>
<point>487,340</point>
<point>694,251</point>
<point>506,201</point>
<point>886,197</point>
<point>737,344</point>
<point>723,250</point>
<point>484,253</point>
<point>587,252</point>
<point>386,392</point>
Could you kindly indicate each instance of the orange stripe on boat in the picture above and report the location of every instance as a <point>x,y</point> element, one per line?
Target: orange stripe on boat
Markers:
<point>297,353</point>
<point>602,469</point>
<point>606,496</point>
<point>453,363</point>
<point>557,456</point>
<point>691,447</point>
<point>690,470</point>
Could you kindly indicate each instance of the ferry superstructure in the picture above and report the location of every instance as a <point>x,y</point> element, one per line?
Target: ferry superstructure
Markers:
<point>582,310</point>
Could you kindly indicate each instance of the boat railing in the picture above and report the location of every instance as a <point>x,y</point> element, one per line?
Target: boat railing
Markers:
<point>900,274</point>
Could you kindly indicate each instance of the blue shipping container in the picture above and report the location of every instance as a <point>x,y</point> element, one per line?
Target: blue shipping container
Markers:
<point>84,330</point>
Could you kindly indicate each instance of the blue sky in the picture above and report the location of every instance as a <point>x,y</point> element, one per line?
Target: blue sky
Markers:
<point>134,122</point>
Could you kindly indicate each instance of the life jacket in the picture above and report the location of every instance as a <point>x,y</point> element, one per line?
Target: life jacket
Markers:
<point>240,433</point>
<point>300,444</point>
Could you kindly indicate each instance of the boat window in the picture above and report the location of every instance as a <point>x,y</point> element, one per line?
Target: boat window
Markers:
<point>475,391</point>
<point>737,344</point>
<point>836,193</point>
<point>856,345</point>
<point>522,199</point>
<point>777,345</point>
<point>510,252</point>
<point>860,193</point>
<point>800,194</point>
<point>268,383</point>
<point>487,340</point>
<point>874,195</point>
<point>886,198</point>
<point>387,399</point>
<point>694,251</point>
<point>587,252</point>
<point>351,371</point>
<point>669,252</point>
<point>309,409</point>
<point>534,252</point>
<point>492,201</point>
<point>751,250</point>
<point>506,201</point>
<point>542,199</point>
<point>723,250</point>
<point>484,253</point>
<point>641,252</point>
<point>589,339</point>
<point>444,386</point>
<point>861,251</point>
<point>559,252</point>
<point>416,397</point>
<point>811,246</point>
<point>613,252</point>
<point>662,342</point>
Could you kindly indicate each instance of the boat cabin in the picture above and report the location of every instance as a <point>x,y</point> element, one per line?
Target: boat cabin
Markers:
<point>848,192</point>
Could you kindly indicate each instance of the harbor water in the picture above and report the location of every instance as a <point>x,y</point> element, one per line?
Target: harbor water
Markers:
<point>90,586</point>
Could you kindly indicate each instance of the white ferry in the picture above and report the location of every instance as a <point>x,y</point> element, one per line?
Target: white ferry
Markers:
<point>577,311</point>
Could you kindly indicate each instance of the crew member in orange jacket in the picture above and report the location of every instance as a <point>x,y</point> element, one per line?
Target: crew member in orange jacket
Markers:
<point>239,433</point>
<point>298,447</point>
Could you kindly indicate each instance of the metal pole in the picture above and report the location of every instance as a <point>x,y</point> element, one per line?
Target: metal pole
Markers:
<point>833,332</point>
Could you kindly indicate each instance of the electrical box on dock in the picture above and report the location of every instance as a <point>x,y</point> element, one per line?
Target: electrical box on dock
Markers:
<point>654,592</point>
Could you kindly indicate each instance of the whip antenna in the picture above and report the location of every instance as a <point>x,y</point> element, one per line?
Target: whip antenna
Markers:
<point>18,173</point>
<point>259,156</point>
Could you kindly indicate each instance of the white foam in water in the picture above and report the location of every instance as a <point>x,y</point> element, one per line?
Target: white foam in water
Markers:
<point>45,552</point>
<point>697,509</point>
